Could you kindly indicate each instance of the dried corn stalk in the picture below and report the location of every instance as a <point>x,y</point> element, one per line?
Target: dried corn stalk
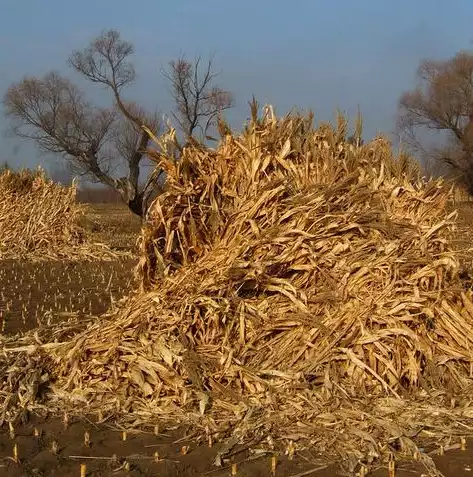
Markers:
<point>292,284</point>
<point>39,219</point>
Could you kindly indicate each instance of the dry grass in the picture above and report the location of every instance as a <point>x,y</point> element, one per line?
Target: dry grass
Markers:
<point>295,288</point>
<point>39,219</point>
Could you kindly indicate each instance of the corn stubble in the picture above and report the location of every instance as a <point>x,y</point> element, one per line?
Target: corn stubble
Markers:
<point>294,286</point>
<point>40,219</point>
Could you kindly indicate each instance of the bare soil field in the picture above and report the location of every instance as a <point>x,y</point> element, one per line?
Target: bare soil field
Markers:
<point>37,294</point>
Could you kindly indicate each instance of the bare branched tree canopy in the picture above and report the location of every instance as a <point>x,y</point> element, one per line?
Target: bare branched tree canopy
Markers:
<point>442,102</point>
<point>100,143</point>
<point>199,102</point>
<point>53,112</point>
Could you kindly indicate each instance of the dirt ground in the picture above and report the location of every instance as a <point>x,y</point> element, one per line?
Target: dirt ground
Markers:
<point>60,451</point>
<point>35,295</point>
<point>168,454</point>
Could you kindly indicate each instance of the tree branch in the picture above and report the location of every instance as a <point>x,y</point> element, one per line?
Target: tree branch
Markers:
<point>198,102</point>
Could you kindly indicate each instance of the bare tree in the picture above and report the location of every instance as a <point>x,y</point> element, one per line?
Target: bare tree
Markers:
<point>97,142</point>
<point>442,103</point>
<point>199,102</point>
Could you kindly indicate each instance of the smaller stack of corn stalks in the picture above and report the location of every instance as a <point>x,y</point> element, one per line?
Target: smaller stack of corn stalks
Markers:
<point>294,287</point>
<point>39,219</point>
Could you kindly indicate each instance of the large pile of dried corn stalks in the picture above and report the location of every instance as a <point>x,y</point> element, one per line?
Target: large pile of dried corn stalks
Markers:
<point>39,219</point>
<point>294,286</point>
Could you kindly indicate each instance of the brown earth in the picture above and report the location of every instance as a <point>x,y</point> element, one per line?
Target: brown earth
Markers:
<point>147,454</point>
<point>139,451</point>
<point>171,453</point>
<point>37,294</point>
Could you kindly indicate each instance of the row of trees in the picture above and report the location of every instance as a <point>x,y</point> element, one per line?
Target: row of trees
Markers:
<point>99,142</point>
<point>435,118</point>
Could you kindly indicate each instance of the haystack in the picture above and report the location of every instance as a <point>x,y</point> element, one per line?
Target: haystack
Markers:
<point>40,219</point>
<point>295,287</point>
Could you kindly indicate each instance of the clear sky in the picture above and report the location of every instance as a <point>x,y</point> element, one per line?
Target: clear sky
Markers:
<point>318,54</point>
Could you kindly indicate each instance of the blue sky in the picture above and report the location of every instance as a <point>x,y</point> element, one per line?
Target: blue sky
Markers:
<point>315,54</point>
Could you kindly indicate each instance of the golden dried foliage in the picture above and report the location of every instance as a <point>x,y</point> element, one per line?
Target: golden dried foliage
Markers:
<point>39,219</point>
<point>293,285</point>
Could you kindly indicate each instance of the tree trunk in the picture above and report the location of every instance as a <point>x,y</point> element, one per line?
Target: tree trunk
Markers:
<point>139,203</point>
<point>136,205</point>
